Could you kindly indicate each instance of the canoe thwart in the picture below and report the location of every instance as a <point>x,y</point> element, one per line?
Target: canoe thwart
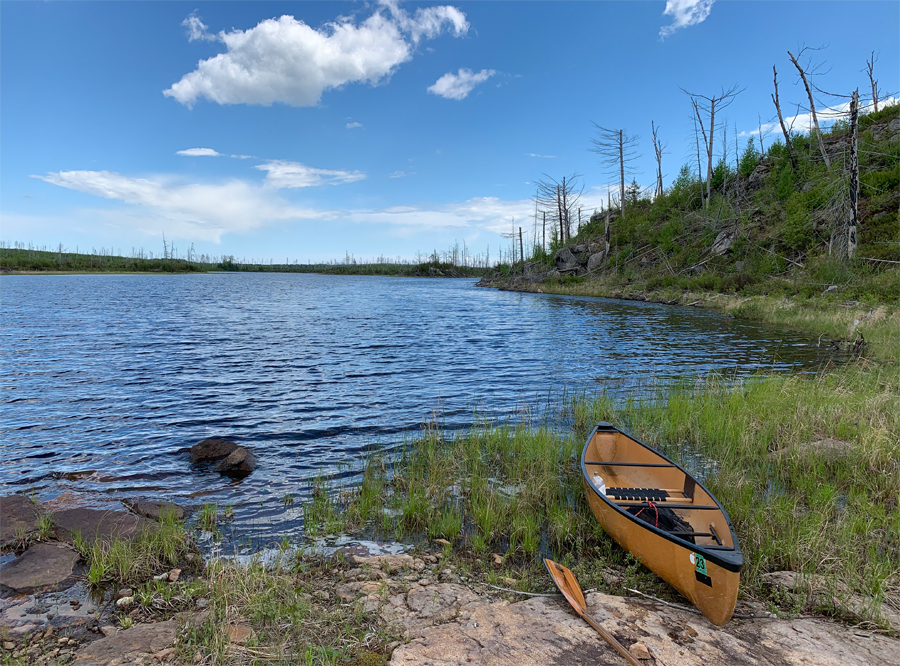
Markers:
<point>709,507</point>
<point>628,464</point>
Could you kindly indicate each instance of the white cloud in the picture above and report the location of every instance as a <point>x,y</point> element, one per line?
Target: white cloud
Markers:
<point>685,13</point>
<point>354,125</point>
<point>400,174</point>
<point>548,157</point>
<point>285,60</point>
<point>803,122</point>
<point>199,152</point>
<point>197,30</point>
<point>286,174</point>
<point>458,86</point>
<point>190,211</point>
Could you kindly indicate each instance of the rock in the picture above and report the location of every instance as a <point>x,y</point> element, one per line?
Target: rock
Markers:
<point>724,240</point>
<point>817,591</point>
<point>389,562</point>
<point>830,289</point>
<point>639,651</point>
<point>154,510</point>
<point>239,462</point>
<point>108,630</point>
<point>211,449</point>
<point>164,655</point>
<point>239,633</point>
<point>9,645</point>
<point>498,559</point>
<point>130,646</point>
<point>544,630</point>
<point>825,449</point>
<point>424,606</point>
<point>565,260</point>
<point>124,602</point>
<point>442,542</point>
<point>352,591</point>
<point>173,575</point>
<point>509,581</point>
<point>18,518</point>
<point>124,592</point>
<point>596,260</point>
<point>97,524</point>
<point>41,568</point>
<point>759,176</point>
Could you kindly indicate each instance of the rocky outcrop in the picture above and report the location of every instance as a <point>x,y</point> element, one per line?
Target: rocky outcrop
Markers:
<point>142,644</point>
<point>596,261</point>
<point>43,567</point>
<point>239,462</point>
<point>723,242</point>
<point>210,450</point>
<point>544,630</point>
<point>580,259</point>
<point>18,519</point>
<point>565,260</point>
<point>96,524</point>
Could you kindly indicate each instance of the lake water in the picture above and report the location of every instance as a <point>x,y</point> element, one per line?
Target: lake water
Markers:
<point>110,379</point>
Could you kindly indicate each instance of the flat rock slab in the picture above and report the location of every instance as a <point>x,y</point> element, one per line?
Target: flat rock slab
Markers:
<point>137,645</point>
<point>545,631</point>
<point>18,518</point>
<point>96,524</point>
<point>154,510</point>
<point>42,568</point>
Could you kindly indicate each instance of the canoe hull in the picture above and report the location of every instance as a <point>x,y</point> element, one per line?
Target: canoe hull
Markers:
<point>672,562</point>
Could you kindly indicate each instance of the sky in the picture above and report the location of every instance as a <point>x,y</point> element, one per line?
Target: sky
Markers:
<point>307,131</point>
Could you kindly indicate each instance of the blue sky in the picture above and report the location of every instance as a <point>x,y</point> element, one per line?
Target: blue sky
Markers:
<point>305,130</point>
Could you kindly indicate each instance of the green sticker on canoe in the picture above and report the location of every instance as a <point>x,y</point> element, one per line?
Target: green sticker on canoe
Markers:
<point>701,564</point>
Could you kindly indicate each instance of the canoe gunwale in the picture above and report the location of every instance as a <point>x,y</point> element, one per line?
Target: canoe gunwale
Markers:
<point>728,558</point>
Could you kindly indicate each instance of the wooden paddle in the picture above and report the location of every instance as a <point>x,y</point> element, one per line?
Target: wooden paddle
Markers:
<point>565,581</point>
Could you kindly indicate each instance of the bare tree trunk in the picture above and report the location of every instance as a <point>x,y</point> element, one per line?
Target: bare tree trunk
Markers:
<point>565,209</point>
<point>854,174</point>
<point>784,130</point>
<point>870,66</point>
<point>812,109</point>
<point>521,250</point>
<point>762,150</point>
<point>578,231</point>
<point>657,148</point>
<point>621,173</point>
<point>544,241</point>
<point>562,235</point>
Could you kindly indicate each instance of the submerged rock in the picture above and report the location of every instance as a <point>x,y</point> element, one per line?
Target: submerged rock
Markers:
<point>239,462</point>
<point>154,510</point>
<point>96,524</point>
<point>211,449</point>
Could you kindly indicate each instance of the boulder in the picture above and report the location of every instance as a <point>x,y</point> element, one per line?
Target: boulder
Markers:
<point>824,449</point>
<point>96,524</point>
<point>154,510</point>
<point>759,176</point>
<point>239,462</point>
<point>137,645</point>
<point>723,242</point>
<point>18,518</point>
<point>596,260</point>
<point>44,567</point>
<point>565,260</point>
<point>211,449</point>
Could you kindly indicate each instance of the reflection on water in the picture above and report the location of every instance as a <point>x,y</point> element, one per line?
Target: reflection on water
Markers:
<point>107,380</point>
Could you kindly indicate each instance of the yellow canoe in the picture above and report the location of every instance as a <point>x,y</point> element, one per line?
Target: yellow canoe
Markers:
<point>659,513</point>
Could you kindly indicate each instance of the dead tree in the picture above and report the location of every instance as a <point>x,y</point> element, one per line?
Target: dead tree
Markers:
<point>805,74</point>
<point>870,69</point>
<point>854,174</point>
<point>658,149</point>
<point>561,198</point>
<point>617,151</point>
<point>709,105</point>
<point>784,129</point>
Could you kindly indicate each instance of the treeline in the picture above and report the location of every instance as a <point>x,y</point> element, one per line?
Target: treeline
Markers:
<point>21,258</point>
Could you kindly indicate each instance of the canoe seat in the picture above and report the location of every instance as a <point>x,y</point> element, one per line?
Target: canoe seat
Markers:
<point>637,494</point>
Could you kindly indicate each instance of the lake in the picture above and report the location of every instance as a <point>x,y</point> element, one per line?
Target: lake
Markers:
<point>108,380</point>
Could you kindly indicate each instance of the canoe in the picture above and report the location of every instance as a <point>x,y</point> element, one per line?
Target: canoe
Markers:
<point>661,514</point>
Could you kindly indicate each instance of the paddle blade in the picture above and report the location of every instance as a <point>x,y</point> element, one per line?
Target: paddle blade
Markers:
<point>567,584</point>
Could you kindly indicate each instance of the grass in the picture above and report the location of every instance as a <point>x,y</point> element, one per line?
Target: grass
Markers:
<point>133,561</point>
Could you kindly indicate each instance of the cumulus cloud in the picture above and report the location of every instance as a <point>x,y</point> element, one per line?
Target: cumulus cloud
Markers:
<point>197,30</point>
<point>400,174</point>
<point>285,60</point>
<point>353,125</point>
<point>285,174</point>
<point>685,13</point>
<point>458,86</point>
<point>192,211</point>
<point>199,152</point>
<point>548,157</point>
<point>803,122</point>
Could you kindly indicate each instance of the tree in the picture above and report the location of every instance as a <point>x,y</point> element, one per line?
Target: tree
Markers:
<point>561,199</point>
<point>784,129</point>
<point>749,159</point>
<point>806,73</point>
<point>703,106</point>
<point>870,70</point>
<point>658,149</point>
<point>617,151</point>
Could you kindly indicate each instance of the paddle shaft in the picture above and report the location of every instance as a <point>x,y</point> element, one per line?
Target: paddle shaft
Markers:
<point>609,638</point>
